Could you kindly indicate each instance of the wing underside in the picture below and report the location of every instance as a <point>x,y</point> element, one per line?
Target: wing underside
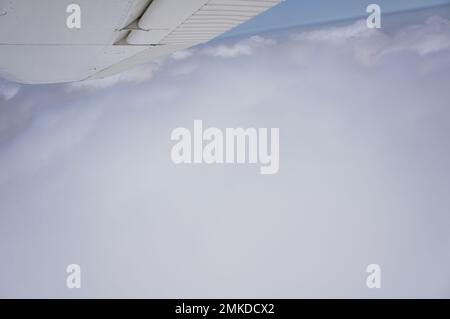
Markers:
<point>36,46</point>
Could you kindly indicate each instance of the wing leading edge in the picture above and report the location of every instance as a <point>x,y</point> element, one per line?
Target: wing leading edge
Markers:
<point>37,47</point>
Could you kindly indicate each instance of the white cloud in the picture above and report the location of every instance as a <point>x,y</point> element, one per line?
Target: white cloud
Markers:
<point>431,37</point>
<point>8,91</point>
<point>244,47</point>
<point>338,34</point>
<point>364,174</point>
<point>368,46</point>
<point>184,69</point>
<point>183,54</point>
<point>139,74</point>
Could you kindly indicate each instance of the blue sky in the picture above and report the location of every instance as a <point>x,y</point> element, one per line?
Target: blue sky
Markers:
<point>305,12</point>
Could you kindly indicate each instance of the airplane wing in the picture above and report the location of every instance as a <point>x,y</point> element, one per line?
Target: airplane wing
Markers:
<point>53,41</point>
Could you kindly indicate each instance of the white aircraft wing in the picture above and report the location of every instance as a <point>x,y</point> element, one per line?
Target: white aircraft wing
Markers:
<point>52,41</point>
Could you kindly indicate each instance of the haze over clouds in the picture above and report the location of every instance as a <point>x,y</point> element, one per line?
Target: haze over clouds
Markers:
<point>8,90</point>
<point>86,175</point>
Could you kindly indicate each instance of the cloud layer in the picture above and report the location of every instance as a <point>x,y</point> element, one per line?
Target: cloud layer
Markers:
<point>8,91</point>
<point>86,175</point>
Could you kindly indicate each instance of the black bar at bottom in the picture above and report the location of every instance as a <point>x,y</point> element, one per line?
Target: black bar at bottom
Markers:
<point>216,308</point>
